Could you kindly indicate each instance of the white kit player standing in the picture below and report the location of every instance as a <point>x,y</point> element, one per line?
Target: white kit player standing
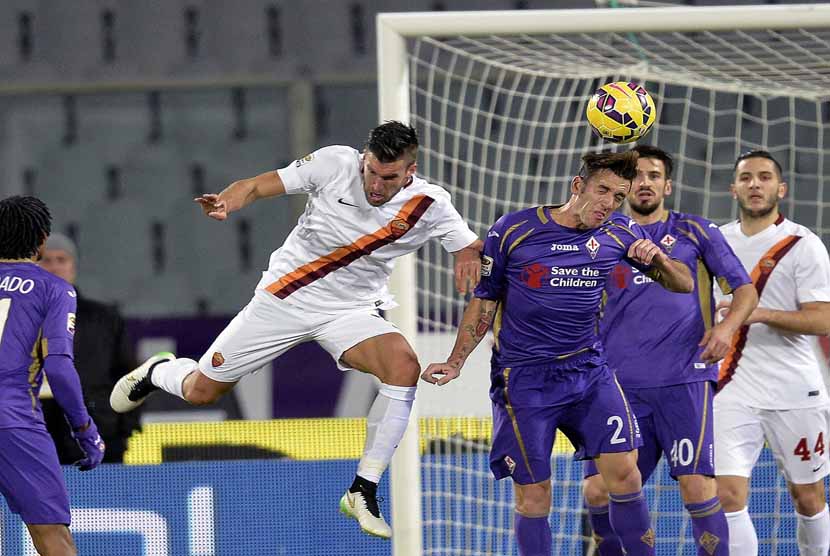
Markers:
<point>770,386</point>
<point>327,283</point>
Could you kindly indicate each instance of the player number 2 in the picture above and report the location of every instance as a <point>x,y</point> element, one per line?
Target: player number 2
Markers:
<point>682,452</point>
<point>5,305</point>
<point>802,450</point>
<point>616,420</point>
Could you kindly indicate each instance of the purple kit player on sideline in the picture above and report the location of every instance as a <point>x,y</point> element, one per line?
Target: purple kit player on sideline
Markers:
<point>543,274</point>
<point>37,322</point>
<point>663,348</point>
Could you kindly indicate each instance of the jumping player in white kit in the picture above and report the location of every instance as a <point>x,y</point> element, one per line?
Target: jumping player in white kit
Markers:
<point>770,386</point>
<point>327,283</point>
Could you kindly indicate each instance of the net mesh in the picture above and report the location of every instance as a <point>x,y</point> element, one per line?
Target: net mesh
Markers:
<point>502,124</point>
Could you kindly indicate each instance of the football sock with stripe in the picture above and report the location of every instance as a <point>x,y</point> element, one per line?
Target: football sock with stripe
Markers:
<point>709,527</point>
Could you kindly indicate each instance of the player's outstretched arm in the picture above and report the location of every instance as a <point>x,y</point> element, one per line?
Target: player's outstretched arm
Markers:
<point>240,194</point>
<point>811,318</point>
<point>66,387</point>
<point>478,316</point>
<point>673,275</point>
<point>718,339</point>
<point>468,267</point>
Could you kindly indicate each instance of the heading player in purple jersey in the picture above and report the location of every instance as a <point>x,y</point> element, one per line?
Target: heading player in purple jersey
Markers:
<point>37,322</point>
<point>543,274</point>
<point>664,347</point>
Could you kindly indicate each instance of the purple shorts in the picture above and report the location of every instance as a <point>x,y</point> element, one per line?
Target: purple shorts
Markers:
<point>675,421</point>
<point>530,403</point>
<point>31,479</point>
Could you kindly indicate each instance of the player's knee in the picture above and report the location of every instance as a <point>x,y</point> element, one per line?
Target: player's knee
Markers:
<point>594,491</point>
<point>623,476</point>
<point>697,488</point>
<point>808,499</point>
<point>533,500</point>
<point>732,497</point>
<point>405,369</point>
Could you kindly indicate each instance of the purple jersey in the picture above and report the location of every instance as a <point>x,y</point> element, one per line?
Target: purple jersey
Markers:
<point>651,335</point>
<point>37,318</point>
<point>548,280</point>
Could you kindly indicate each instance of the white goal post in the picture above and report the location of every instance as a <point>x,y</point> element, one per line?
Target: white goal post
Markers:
<point>716,72</point>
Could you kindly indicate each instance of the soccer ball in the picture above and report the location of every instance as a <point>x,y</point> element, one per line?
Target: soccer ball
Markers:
<point>621,112</point>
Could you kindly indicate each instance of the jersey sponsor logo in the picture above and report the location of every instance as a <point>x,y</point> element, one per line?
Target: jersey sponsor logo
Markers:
<point>398,227</point>
<point>71,293</point>
<point>16,284</point>
<point>532,275</point>
<point>342,202</point>
<point>668,242</point>
<point>563,247</point>
<point>70,323</point>
<point>511,464</point>
<point>307,158</point>
<point>492,233</point>
<point>621,276</point>
<point>486,265</point>
<point>217,360</point>
<point>592,245</point>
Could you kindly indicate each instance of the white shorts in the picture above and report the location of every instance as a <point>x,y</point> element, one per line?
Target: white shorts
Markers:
<point>268,327</point>
<point>797,437</point>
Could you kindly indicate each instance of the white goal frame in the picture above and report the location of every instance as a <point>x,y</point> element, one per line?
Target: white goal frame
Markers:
<point>393,29</point>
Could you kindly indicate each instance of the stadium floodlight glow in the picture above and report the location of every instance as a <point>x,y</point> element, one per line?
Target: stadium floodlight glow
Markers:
<point>499,100</point>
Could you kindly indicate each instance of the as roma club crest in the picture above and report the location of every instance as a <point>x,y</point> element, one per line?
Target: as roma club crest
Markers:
<point>766,265</point>
<point>398,227</point>
<point>217,360</point>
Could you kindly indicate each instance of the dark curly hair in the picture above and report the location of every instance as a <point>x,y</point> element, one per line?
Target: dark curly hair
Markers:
<point>650,151</point>
<point>391,140</point>
<point>25,223</point>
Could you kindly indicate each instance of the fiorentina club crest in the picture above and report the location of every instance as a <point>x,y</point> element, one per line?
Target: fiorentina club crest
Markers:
<point>511,465</point>
<point>593,247</point>
<point>668,242</point>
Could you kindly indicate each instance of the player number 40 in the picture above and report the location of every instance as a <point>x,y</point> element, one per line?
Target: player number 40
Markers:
<point>682,452</point>
<point>802,449</point>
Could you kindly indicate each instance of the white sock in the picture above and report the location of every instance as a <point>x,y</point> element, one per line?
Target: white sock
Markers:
<point>170,375</point>
<point>385,426</point>
<point>743,540</point>
<point>813,533</point>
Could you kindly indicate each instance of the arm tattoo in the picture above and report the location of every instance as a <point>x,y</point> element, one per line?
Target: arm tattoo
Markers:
<point>471,333</point>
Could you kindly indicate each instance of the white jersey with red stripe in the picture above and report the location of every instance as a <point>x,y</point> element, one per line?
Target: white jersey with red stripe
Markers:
<point>341,253</point>
<point>768,368</point>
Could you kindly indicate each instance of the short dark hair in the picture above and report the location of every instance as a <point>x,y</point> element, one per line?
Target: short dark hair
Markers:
<point>759,153</point>
<point>391,140</point>
<point>25,223</point>
<point>623,164</point>
<point>650,151</point>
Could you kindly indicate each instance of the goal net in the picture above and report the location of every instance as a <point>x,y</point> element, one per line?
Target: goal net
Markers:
<point>498,99</point>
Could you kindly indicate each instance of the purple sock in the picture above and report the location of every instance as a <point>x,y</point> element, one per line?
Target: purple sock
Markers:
<point>709,527</point>
<point>629,517</point>
<point>608,544</point>
<point>533,535</point>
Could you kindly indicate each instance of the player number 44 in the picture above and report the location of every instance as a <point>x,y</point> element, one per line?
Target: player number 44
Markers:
<point>801,449</point>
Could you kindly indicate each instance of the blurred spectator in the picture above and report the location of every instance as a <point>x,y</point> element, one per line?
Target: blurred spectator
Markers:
<point>102,352</point>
